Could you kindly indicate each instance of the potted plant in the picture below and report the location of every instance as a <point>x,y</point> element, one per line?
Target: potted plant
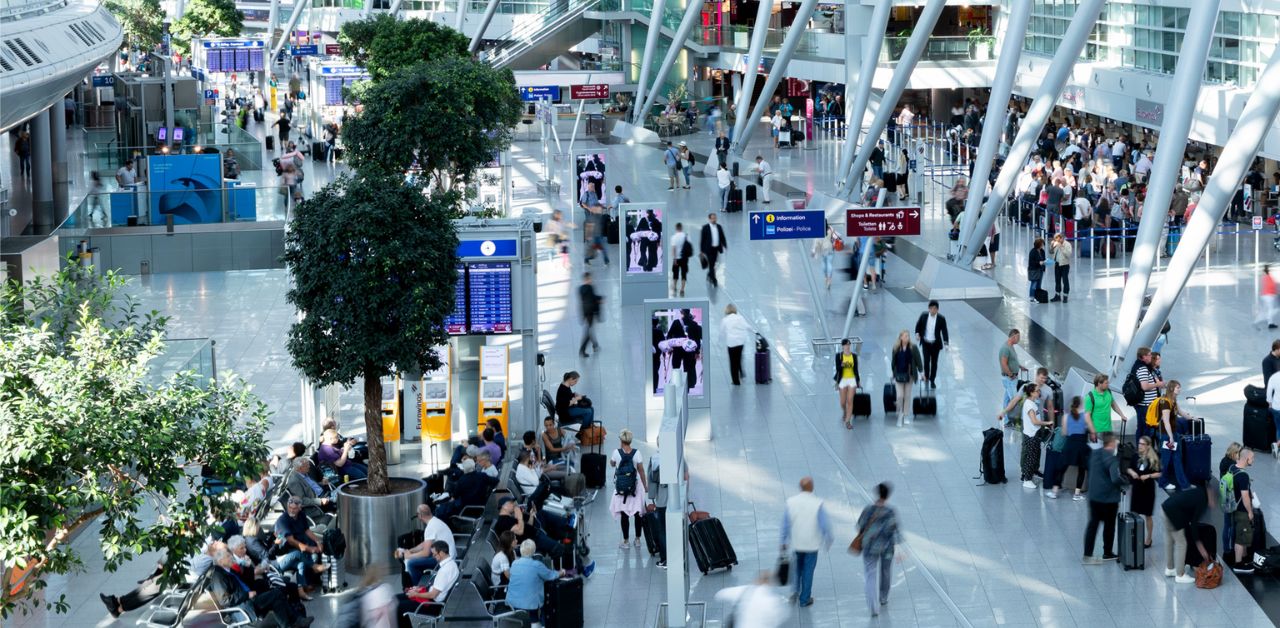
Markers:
<point>981,44</point>
<point>898,44</point>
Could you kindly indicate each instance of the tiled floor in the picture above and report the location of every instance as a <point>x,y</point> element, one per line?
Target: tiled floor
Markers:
<point>974,555</point>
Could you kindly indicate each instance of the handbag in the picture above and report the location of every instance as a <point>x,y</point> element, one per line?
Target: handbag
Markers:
<point>1043,434</point>
<point>702,259</point>
<point>783,571</point>
<point>1209,576</point>
<point>1059,441</point>
<point>856,546</point>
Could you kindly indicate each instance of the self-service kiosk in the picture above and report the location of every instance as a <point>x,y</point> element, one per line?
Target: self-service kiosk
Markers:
<point>437,405</point>
<point>391,418</point>
<point>493,386</point>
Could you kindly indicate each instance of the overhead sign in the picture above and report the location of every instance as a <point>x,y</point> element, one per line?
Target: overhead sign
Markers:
<point>344,70</point>
<point>882,221</point>
<point>787,225</point>
<point>234,43</point>
<point>307,50</point>
<point>332,49</point>
<point>104,80</point>
<point>487,248</point>
<point>538,92</point>
<point>589,92</point>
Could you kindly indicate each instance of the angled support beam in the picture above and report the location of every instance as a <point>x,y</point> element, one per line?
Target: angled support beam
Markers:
<point>687,22</point>
<point>863,265</point>
<point>1046,97</point>
<point>489,10</point>
<point>299,7</point>
<point>394,11</point>
<point>901,76</point>
<point>779,69</point>
<point>462,14</point>
<point>866,76</point>
<point>1174,130</point>
<point>759,33</point>
<point>646,60</point>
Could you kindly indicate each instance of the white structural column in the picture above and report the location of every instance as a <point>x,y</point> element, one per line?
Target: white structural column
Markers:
<point>691,12</point>
<point>489,10</point>
<point>41,174</point>
<point>863,264</point>
<point>298,7</point>
<point>997,108</point>
<point>273,14</point>
<point>646,58</point>
<point>798,26</point>
<point>1046,97</point>
<point>901,76</point>
<point>394,11</point>
<point>1241,149</point>
<point>58,160</point>
<point>866,76</point>
<point>462,14</point>
<point>1168,165</point>
<point>742,101</point>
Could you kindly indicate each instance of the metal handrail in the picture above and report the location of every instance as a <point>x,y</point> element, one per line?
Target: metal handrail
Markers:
<point>524,34</point>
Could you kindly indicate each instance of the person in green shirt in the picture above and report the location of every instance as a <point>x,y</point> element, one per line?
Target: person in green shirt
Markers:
<point>1099,404</point>
<point>1009,370</point>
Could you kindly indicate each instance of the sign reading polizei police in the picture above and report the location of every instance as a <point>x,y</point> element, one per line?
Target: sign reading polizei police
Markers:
<point>538,92</point>
<point>787,225</point>
<point>882,221</point>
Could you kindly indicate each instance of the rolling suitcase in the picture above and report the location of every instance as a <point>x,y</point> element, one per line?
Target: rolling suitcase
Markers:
<point>1042,296</point>
<point>319,151</point>
<point>711,546</point>
<point>991,466</point>
<point>1197,453</point>
<point>1132,537</point>
<point>1259,428</point>
<point>1209,536</point>
<point>734,169</point>
<point>924,405</point>
<point>750,196</point>
<point>271,142</point>
<point>562,605</point>
<point>654,534</point>
<point>734,203</point>
<point>1256,396</point>
<point>862,404</point>
<point>593,466</point>
<point>764,373</point>
<point>611,230</point>
<point>890,398</point>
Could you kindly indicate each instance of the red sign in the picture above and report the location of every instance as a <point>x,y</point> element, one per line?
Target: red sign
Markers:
<point>882,221</point>
<point>589,92</point>
<point>332,49</point>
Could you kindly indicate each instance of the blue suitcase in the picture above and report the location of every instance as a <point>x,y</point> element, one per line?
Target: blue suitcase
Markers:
<point>1197,453</point>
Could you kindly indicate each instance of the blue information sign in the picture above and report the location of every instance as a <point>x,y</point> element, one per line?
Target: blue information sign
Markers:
<point>487,248</point>
<point>788,225</point>
<point>538,92</point>
<point>306,50</point>
<point>104,80</point>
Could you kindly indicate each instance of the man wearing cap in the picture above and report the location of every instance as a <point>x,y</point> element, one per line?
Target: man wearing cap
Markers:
<point>671,159</point>
<point>302,546</point>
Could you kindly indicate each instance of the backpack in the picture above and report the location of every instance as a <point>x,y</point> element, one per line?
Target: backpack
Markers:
<point>335,542</point>
<point>1153,414</point>
<point>1227,492</point>
<point>686,250</point>
<point>1132,388</point>
<point>624,479</point>
<point>655,476</point>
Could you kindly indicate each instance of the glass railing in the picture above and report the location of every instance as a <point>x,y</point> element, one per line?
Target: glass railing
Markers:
<point>181,355</point>
<point>107,156</point>
<point>955,48</point>
<point>247,202</point>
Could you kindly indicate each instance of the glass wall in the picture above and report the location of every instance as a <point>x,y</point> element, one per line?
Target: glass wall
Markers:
<point>1148,38</point>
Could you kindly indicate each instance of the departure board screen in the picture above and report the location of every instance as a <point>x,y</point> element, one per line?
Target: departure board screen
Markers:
<point>456,323</point>
<point>489,297</point>
<point>242,60</point>
<point>332,91</point>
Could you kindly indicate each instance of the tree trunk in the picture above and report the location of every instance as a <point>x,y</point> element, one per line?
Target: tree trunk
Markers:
<point>373,434</point>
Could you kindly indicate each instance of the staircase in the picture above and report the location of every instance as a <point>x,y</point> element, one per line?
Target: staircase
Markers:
<point>534,43</point>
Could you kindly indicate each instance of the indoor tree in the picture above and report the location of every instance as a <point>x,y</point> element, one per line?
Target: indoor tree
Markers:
<point>94,438</point>
<point>206,18</point>
<point>141,20</point>
<point>373,265</point>
<point>383,44</point>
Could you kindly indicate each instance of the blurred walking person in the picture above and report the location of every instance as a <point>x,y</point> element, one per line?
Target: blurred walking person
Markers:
<point>877,537</point>
<point>806,526</point>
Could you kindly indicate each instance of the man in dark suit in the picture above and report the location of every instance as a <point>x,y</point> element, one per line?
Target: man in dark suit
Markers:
<point>931,333</point>
<point>228,591</point>
<point>722,148</point>
<point>711,245</point>
<point>649,248</point>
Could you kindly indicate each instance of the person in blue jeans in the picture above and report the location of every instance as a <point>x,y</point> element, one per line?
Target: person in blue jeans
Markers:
<point>526,589</point>
<point>302,547</point>
<point>806,527</point>
<point>569,406</point>
<point>1175,475</point>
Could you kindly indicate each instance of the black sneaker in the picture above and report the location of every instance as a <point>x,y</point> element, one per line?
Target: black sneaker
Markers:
<point>112,603</point>
<point>1110,556</point>
<point>1243,569</point>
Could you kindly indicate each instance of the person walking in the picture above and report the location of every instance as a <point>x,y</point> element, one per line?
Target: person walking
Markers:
<point>825,247</point>
<point>736,334</point>
<point>1269,305</point>
<point>904,360</point>
<point>1182,510</point>
<point>755,605</point>
<point>671,159</point>
<point>1061,251</point>
<point>722,148</point>
<point>598,223</point>
<point>681,251</point>
<point>931,333</point>
<point>1035,267</point>
<point>590,303</point>
<point>806,528</point>
<point>1105,489</point>
<point>878,530</point>
<point>22,148</point>
<point>1009,370</point>
<point>711,244</point>
<point>765,171</point>
<point>724,181</point>
<point>1077,426</point>
<point>846,380</point>
<point>629,488</point>
<point>877,160</point>
<point>687,163</point>
<point>1142,476</point>
<point>282,125</point>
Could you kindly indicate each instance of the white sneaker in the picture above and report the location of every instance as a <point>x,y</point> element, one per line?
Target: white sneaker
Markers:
<point>1170,487</point>
<point>1052,494</point>
<point>1169,573</point>
<point>1275,450</point>
<point>1184,579</point>
<point>1028,484</point>
<point>624,545</point>
<point>1079,497</point>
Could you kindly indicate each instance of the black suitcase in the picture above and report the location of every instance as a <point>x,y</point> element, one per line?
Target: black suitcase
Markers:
<point>319,151</point>
<point>763,371</point>
<point>271,142</point>
<point>890,398</point>
<point>1256,396</point>
<point>1259,545</point>
<point>258,116</point>
<point>1042,296</point>
<point>991,467</point>
<point>562,603</point>
<point>1132,537</point>
<point>924,405</point>
<point>611,230</point>
<point>654,534</point>
<point>751,193</point>
<point>593,466</point>
<point>734,169</point>
<point>734,203</point>
<point>1209,536</point>
<point>862,404</point>
<point>1259,428</point>
<point>711,546</point>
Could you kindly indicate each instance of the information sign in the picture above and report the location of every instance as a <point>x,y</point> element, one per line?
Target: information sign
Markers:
<point>104,80</point>
<point>332,49</point>
<point>538,92</point>
<point>589,92</point>
<point>882,221</point>
<point>306,50</point>
<point>787,225</point>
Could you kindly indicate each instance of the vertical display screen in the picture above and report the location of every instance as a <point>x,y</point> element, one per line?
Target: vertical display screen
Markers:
<point>242,59</point>
<point>677,340</point>
<point>456,323</point>
<point>489,297</point>
<point>333,91</point>
<point>255,60</point>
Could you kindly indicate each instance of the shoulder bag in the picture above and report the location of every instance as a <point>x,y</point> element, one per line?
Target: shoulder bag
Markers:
<point>856,546</point>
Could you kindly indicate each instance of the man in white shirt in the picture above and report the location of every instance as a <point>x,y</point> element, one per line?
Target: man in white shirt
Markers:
<point>441,585</point>
<point>126,176</point>
<point>680,260</point>
<point>1273,398</point>
<point>756,605</point>
<point>1143,167</point>
<point>766,178</point>
<point>421,559</point>
<point>807,528</point>
<point>724,179</point>
<point>905,117</point>
<point>1118,151</point>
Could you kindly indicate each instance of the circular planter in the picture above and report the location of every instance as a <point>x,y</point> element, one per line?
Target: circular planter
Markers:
<point>372,523</point>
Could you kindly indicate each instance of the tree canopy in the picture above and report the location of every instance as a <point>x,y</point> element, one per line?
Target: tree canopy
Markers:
<point>450,116</point>
<point>205,18</point>
<point>373,265</point>
<point>382,44</point>
<point>142,21</point>
<point>91,434</point>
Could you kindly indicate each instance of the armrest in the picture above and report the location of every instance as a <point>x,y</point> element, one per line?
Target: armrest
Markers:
<point>237,614</point>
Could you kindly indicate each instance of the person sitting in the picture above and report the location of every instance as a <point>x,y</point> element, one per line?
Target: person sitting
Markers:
<point>359,451</point>
<point>420,559</point>
<point>337,453</point>
<point>500,565</point>
<point>472,488</point>
<point>228,591</point>
<point>525,525</point>
<point>499,438</point>
<point>484,463</point>
<point>528,574</point>
<point>300,485</point>
<point>149,588</point>
<point>300,547</point>
<point>447,574</point>
<point>553,441</point>
<point>495,452</point>
<point>254,569</point>
<point>284,458</point>
<point>570,407</point>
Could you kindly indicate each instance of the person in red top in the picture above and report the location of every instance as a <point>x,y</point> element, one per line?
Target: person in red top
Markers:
<point>1267,309</point>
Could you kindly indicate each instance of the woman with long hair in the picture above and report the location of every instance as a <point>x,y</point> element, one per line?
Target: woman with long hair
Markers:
<point>846,379</point>
<point>1143,475</point>
<point>904,360</point>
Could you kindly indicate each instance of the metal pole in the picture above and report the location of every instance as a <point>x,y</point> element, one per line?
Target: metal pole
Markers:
<point>1241,149</point>
<point>1050,89</point>
<point>687,22</point>
<point>1001,88</point>
<point>1168,165</point>
<point>298,7</point>
<point>870,60</point>
<point>272,16</point>
<point>901,75</point>
<point>646,60</point>
<point>759,33</point>
<point>863,265</point>
<point>462,14</point>
<point>779,69</point>
<point>41,175</point>
<point>484,25</point>
<point>395,8</point>
<point>368,9</point>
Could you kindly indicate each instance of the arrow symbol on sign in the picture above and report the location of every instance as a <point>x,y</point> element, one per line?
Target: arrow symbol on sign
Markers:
<point>915,214</point>
<point>755,218</point>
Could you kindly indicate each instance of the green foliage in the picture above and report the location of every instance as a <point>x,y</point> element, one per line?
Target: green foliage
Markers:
<point>90,434</point>
<point>206,18</point>
<point>450,115</point>
<point>384,45</point>
<point>372,260</point>
<point>142,21</point>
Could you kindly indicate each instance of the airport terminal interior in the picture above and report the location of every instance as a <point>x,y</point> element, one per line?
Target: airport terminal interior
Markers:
<point>1102,176</point>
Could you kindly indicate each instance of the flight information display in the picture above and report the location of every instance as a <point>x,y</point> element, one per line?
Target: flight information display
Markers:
<point>489,297</point>
<point>234,56</point>
<point>456,323</point>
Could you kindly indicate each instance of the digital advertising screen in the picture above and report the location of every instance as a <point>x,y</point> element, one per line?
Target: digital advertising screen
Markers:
<point>644,250</point>
<point>456,323</point>
<point>493,391</point>
<point>489,297</point>
<point>435,391</point>
<point>677,344</point>
<point>590,170</point>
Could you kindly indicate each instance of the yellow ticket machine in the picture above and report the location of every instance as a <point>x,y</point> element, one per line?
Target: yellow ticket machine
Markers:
<point>391,418</point>
<point>493,386</point>
<point>437,403</point>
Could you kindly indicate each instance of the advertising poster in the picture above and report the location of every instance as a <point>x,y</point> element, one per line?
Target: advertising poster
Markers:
<point>677,344</point>
<point>186,187</point>
<point>644,250</point>
<point>589,169</point>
